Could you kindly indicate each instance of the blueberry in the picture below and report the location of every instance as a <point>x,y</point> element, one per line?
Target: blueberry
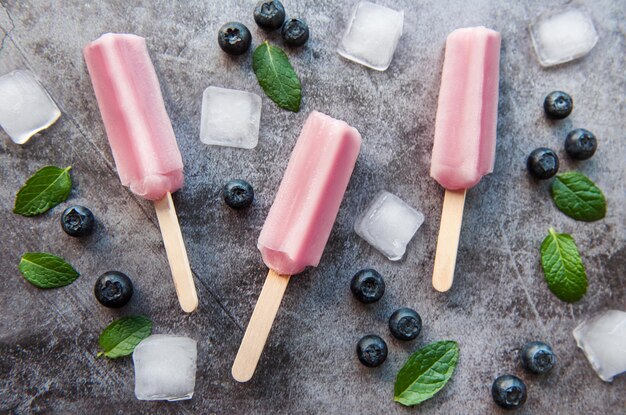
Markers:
<point>558,105</point>
<point>77,221</point>
<point>371,350</point>
<point>367,286</point>
<point>405,324</point>
<point>295,32</point>
<point>542,163</point>
<point>234,38</point>
<point>269,15</point>
<point>113,289</point>
<point>509,391</point>
<point>580,144</point>
<point>238,194</point>
<point>538,357</point>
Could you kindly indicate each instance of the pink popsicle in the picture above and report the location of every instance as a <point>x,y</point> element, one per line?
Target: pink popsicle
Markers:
<point>465,133</point>
<point>467,113</point>
<point>142,139</point>
<point>139,130</point>
<point>299,222</point>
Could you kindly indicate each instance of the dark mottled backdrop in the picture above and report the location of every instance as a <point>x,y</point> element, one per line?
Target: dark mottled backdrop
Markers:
<point>48,339</point>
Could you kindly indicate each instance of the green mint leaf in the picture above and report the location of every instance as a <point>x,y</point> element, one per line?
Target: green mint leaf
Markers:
<point>578,197</point>
<point>426,372</point>
<point>122,336</point>
<point>46,270</point>
<point>277,77</point>
<point>562,267</point>
<point>45,189</point>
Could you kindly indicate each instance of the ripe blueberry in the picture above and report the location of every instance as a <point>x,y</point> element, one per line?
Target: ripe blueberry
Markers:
<point>558,105</point>
<point>542,163</point>
<point>77,221</point>
<point>238,194</point>
<point>538,357</point>
<point>367,286</point>
<point>405,324</point>
<point>509,391</point>
<point>580,144</point>
<point>113,289</point>
<point>295,32</point>
<point>371,350</point>
<point>234,38</point>
<point>269,14</point>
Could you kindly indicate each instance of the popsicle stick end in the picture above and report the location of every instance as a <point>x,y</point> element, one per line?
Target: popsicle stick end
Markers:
<point>259,326</point>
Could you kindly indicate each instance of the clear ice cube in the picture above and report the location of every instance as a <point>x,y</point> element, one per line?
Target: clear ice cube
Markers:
<point>165,368</point>
<point>388,224</point>
<point>562,36</point>
<point>603,339</point>
<point>25,106</point>
<point>372,35</point>
<point>230,118</point>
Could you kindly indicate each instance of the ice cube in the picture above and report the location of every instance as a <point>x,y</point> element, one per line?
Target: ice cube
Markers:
<point>603,339</point>
<point>388,224</point>
<point>372,35</point>
<point>230,118</point>
<point>25,106</point>
<point>563,35</point>
<point>165,368</point>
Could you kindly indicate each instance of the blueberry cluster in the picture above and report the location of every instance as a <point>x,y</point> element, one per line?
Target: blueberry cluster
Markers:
<point>368,286</point>
<point>113,289</point>
<point>234,38</point>
<point>509,391</point>
<point>580,144</point>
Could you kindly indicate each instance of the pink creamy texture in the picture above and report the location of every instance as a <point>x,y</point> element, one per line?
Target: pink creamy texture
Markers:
<point>300,220</point>
<point>140,132</point>
<point>467,113</point>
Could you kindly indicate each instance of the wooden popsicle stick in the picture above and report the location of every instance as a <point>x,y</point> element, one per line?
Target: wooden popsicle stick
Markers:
<point>176,253</point>
<point>448,240</point>
<point>259,326</point>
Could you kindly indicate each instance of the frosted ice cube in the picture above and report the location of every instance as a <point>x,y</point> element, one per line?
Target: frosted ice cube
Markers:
<point>372,35</point>
<point>25,106</point>
<point>563,35</point>
<point>603,339</point>
<point>165,368</point>
<point>388,224</point>
<point>230,118</point>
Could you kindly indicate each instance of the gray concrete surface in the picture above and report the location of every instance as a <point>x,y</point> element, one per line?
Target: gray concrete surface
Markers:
<point>48,339</point>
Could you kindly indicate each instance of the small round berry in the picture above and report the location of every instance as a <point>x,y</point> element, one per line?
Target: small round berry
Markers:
<point>538,357</point>
<point>113,289</point>
<point>581,144</point>
<point>269,14</point>
<point>509,391</point>
<point>234,38</point>
<point>77,221</point>
<point>405,324</point>
<point>558,105</point>
<point>367,286</point>
<point>295,32</point>
<point>238,194</point>
<point>542,163</point>
<point>371,350</point>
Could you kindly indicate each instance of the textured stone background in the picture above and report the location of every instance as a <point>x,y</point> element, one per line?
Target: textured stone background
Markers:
<point>48,339</point>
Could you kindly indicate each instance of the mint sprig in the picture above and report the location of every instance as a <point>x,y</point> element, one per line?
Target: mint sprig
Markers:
<point>45,189</point>
<point>46,270</point>
<point>578,197</point>
<point>426,372</point>
<point>277,77</point>
<point>562,267</point>
<point>122,336</point>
